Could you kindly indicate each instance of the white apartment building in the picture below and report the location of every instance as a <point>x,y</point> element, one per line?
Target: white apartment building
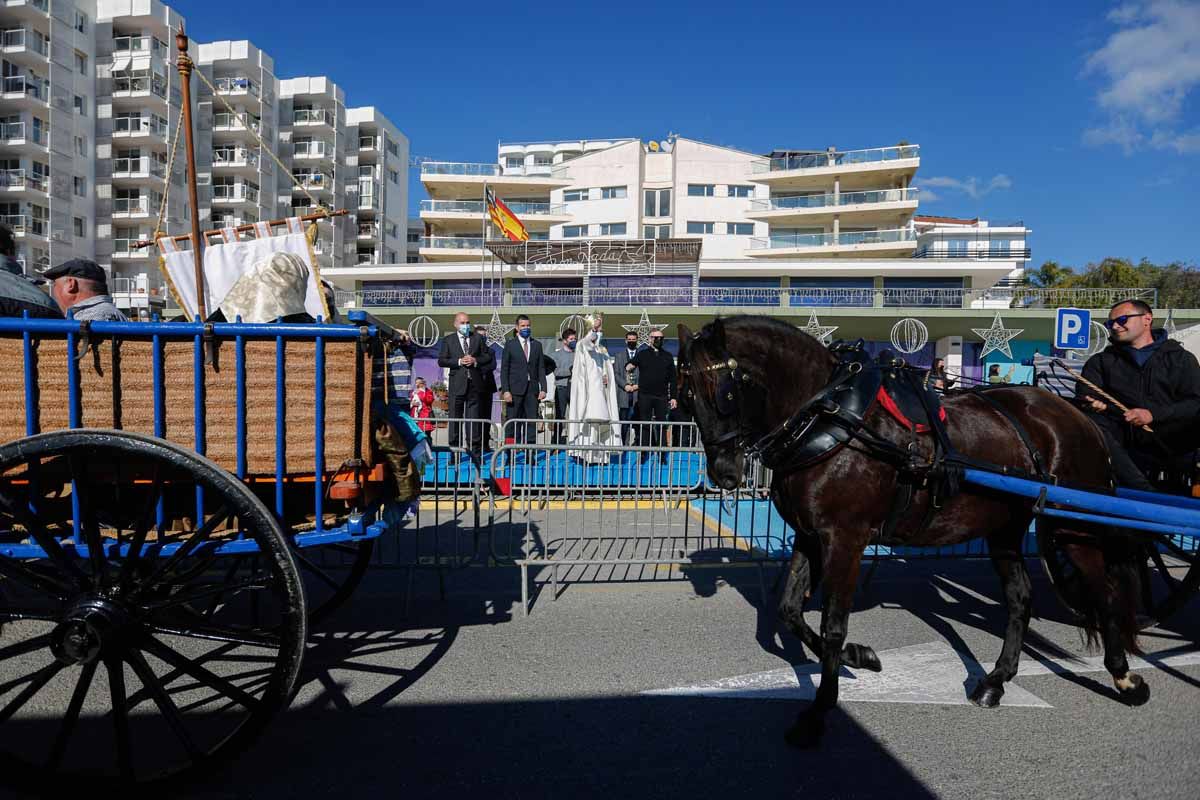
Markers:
<point>378,193</point>
<point>47,108</point>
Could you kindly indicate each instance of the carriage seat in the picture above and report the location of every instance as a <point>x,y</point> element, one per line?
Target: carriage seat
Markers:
<point>905,395</point>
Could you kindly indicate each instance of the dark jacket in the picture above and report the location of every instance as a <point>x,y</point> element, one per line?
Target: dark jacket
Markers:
<point>1167,385</point>
<point>656,372</point>
<point>464,380</point>
<point>18,295</point>
<point>518,375</point>
<point>620,361</point>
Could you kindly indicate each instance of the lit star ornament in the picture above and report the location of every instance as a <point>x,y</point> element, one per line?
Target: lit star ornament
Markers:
<point>997,337</point>
<point>643,329</point>
<point>815,329</point>
<point>497,330</point>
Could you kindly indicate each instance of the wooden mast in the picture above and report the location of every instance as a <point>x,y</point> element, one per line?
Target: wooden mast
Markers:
<point>185,75</point>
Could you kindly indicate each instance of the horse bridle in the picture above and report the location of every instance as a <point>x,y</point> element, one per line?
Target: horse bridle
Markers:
<point>728,396</point>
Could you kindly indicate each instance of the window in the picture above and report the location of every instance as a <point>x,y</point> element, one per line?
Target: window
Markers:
<point>81,145</point>
<point>81,21</point>
<point>614,192</point>
<point>701,190</point>
<point>574,231</point>
<point>80,226</point>
<point>999,248</point>
<point>741,191</point>
<point>414,238</point>
<point>79,185</point>
<point>80,63</point>
<point>412,259</point>
<point>543,161</point>
<point>514,162</point>
<point>957,248</point>
<point>612,229</point>
<point>656,231</point>
<point>81,106</point>
<point>657,202</point>
<point>393,149</point>
<point>739,228</point>
<point>572,195</point>
<point>699,227</point>
<point>389,256</point>
<point>394,176</point>
<point>393,229</point>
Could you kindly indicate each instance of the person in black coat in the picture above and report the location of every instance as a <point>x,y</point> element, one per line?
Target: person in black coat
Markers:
<point>656,387</point>
<point>523,379</point>
<point>627,380</point>
<point>1159,382</point>
<point>468,357</point>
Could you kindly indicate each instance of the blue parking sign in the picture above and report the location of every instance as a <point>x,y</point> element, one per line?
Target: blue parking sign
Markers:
<point>1072,329</point>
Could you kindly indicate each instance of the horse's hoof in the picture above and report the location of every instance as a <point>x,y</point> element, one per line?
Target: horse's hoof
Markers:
<point>986,696</point>
<point>805,733</point>
<point>859,656</point>
<point>1136,695</point>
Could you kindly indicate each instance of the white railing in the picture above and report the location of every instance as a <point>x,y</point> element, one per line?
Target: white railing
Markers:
<point>828,199</point>
<point>32,87</point>
<point>12,131</point>
<point>845,238</point>
<point>479,207</point>
<point>24,39</point>
<point>312,116</point>
<point>365,257</point>
<point>20,179</point>
<point>368,230</point>
<point>452,242</point>
<point>140,44</point>
<point>239,157</point>
<point>845,158</point>
<point>368,143</point>
<point>370,200</point>
<point>17,223</point>
<point>152,125</point>
<point>240,85</point>
<point>314,180</point>
<point>140,84</point>
<point>315,149</point>
<point>125,248</point>
<point>132,206</point>
<point>138,285</point>
<point>126,167</point>
<point>455,168</point>
<point>224,121</point>
<point>235,193</point>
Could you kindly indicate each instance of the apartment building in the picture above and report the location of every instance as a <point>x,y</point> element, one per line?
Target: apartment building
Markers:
<point>377,194</point>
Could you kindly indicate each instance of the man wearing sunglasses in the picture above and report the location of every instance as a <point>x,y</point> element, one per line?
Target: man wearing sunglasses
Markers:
<point>1159,382</point>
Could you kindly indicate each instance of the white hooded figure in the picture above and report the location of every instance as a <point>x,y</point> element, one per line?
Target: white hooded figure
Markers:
<point>275,287</point>
<point>592,415</point>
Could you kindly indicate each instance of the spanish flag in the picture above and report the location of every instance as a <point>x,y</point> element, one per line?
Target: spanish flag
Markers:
<point>505,219</point>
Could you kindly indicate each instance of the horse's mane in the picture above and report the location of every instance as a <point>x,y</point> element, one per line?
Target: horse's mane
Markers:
<point>773,333</point>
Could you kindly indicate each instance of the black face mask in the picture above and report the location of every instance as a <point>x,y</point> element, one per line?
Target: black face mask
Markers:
<point>631,345</point>
<point>656,344</point>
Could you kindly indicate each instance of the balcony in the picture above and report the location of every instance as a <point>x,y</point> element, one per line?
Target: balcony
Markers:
<point>26,91</point>
<point>460,181</point>
<point>23,45</point>
<point>237,87</point>
<point>856,169</point>
<point>16,181</point>
<point>317,149</point>
<point>874,206</point>
<point>17,223</point>
<point>893,242</point>
<point>313,116</point>
<point>150,126</point>
<point>140,86</point>
<point>365,257</point>
<point>368,200</point>
<point>125,47</point>
<point>314,181</point>
<point>235,193</point>
<point>139,168</point>
<point>127,249</point>
<point>536,216</point>
<point>368,143</point>
<point>27,9</point>
<point>368,230</point>
<point>238,158</point>
<point>25,138</point>
<point>132,207</point>
<point>225,122</point>
<point>451,247</point>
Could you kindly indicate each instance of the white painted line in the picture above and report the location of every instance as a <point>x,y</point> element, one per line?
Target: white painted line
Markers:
<point>932,673</point>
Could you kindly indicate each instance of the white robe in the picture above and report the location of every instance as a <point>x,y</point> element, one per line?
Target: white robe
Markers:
<point>592,416</point>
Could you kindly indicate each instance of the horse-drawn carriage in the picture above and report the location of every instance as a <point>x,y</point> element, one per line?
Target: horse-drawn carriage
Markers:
<point>161,494</point>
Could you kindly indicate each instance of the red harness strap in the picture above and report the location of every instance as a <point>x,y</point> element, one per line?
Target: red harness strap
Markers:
<point>890,406</point>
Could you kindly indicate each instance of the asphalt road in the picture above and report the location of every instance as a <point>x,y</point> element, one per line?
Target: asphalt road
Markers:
<point>467,699</point>
<point>463,698</point>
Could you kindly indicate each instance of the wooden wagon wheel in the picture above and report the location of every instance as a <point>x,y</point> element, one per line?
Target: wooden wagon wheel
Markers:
<point>132,652</point>
<point>1169,571</point>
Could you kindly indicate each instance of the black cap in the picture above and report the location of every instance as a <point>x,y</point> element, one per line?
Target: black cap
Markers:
<point>78,268</point>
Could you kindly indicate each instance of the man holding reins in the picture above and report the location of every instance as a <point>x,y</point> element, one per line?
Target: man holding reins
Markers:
<point>1158,383</point>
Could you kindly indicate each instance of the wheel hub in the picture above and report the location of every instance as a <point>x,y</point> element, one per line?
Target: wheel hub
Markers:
<point>90,627</point>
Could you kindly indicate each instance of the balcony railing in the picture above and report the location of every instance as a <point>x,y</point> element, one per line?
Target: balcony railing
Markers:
<point>800,240</point>
<point>479,207</point>
<point>31,87</point>
<point>235,193</point>
<point>224,121</point>
<point>143,285</point>
<point>312,116</point>
<point>134,45</point>
<point>368,201</point>
<point>368,230</point>
<point>140,84</point>
<point>12,131</point>
<point>140,126</point>
<point>237,86</point>
<point>235,158</point>
<point>23,39</point>
<point>365,257</point>
<point>17,223</point>
<point>314,180</point>
<point>317,149</point>
<point>125,248</point>
<point>455,168</point>
<point>20,179</point>
<point>999,253</point>
<point>132,206</point>
<point>127,167</point>
<point>40,5</point>
<point>368,143</point>
<point>829,199</point>
<point>836,159</point>
<point>452,242</point>
<point>706,297</point>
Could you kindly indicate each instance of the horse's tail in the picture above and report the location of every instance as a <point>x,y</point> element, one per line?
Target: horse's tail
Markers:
<point>1106,583</point>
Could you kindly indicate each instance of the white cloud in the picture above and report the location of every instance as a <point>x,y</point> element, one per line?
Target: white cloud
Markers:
<point>1148,66</point>
<point>971,186</point>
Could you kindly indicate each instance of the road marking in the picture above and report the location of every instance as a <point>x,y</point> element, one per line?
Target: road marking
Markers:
<point>932,673</point>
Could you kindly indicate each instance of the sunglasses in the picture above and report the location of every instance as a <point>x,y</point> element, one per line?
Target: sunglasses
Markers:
<point>1121,320</point>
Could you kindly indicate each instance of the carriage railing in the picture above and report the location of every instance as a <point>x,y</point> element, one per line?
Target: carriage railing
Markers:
<point>282,480</point>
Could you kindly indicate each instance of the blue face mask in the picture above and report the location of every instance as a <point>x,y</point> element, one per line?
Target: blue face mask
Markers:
<point>525,333</point>
<point>465,329</point>
<point>570,344</point>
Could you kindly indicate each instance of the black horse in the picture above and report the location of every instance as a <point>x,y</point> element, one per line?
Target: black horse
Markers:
<point>744,377</point>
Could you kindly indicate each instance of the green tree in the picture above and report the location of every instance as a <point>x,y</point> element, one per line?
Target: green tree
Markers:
<point>1050,275</point>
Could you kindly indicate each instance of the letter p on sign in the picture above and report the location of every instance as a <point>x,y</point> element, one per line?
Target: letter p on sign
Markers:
<point>1072,329</point>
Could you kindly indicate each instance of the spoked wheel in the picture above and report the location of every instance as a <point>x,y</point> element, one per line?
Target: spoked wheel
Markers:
<point>135,649</point>
<point>331,573</point>
<point>1169,572</point>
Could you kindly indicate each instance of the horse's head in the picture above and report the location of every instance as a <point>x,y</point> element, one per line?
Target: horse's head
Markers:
<point>715,388</point>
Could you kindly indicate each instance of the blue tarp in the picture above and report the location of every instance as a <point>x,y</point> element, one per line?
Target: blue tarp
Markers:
<point>558,470</point>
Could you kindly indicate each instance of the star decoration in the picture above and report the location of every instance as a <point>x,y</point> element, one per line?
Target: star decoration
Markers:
<point>643,329</point>
<point>497,330</point>
<point>815,329</point>
<point>997,337</point>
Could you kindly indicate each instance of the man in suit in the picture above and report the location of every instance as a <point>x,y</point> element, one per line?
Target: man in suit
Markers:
<point>467,356</point>
<point>656,393</point>
<point>523,379</point>
<point>627,386</point>
<point>487,393</point>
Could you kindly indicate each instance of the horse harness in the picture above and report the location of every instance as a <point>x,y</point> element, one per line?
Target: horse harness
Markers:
<point>836,417</point>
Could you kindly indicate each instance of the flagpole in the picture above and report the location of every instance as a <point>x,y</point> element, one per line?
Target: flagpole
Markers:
<point>184,64</point>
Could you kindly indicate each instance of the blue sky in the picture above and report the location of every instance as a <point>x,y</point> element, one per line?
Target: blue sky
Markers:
<point>1080,118</point>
